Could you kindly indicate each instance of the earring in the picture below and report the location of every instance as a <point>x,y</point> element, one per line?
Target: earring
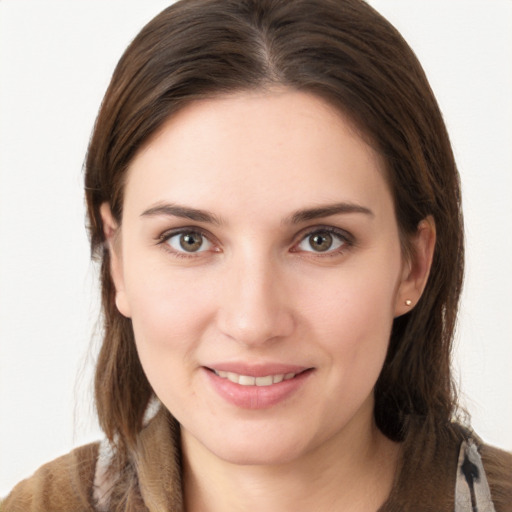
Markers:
<point>408,302</point>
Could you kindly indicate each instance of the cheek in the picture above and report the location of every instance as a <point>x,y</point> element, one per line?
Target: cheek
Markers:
<point>351,302</point>
<point>352,319</point>
<point>355,336</point>
<point>169,313</point>
<point>169,317</point>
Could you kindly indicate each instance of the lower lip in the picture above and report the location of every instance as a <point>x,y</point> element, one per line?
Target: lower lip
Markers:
<point>256,397</point>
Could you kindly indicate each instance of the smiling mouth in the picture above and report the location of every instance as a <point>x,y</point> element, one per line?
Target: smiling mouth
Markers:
<point>257,386</point>
<point>249,380</point>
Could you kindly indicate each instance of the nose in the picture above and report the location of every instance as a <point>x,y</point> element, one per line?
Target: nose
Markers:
<point>255,306</point>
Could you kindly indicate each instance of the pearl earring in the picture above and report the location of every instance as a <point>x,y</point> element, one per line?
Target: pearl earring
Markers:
<point>408,302</point>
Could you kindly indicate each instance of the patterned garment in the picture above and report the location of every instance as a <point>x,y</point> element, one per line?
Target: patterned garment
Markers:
<point>472,493</point>
<point>92,478</point>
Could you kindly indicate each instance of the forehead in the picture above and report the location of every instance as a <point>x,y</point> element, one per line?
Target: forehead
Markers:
<point>251,150</point>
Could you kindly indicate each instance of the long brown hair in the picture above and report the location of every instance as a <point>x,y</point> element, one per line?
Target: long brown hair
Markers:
<point>346,53</point>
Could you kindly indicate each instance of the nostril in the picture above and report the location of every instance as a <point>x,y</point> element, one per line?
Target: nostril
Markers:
<point>249,324</point>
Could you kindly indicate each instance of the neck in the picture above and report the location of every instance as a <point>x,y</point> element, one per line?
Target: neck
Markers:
<point>352,471</point>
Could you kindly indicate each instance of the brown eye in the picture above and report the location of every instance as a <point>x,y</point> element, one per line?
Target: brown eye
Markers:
<point>323,240</point>
<point>189,241</point>
<point>320,242</point>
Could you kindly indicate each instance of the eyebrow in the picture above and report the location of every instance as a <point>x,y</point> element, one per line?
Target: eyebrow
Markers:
<point>304,215</point>
<point>185,212</point>
<point>326,211</point>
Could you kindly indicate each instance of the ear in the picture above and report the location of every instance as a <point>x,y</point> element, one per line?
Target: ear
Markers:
<point>417,268</point>
<point>112,233</point>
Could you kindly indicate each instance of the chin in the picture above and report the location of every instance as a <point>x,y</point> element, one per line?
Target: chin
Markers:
<point>254,445</point>
<point>258,454</point>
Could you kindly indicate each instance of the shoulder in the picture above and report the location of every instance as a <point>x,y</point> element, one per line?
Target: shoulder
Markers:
<point>434,473</point>
<point>498,468</point>
<point>64,484</point>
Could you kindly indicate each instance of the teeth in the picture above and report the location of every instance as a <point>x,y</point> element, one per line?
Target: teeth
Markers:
<point>233,377</point>
<point>264,381</point>
<point>247,380</point>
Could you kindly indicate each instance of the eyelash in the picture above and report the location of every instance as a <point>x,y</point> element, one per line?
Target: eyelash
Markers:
<point>164,238</point>
<point>343,236</point>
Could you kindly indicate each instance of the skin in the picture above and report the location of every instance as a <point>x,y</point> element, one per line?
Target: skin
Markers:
<point>259,291</point>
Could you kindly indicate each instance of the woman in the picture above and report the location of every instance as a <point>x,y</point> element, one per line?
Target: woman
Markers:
<point>275,203</point>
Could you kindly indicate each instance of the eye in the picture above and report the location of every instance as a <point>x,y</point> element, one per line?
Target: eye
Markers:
<point>189,241</point>
<point>323,241</point>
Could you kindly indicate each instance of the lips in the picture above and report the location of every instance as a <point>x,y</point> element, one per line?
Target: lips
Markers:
<point>256,386</point>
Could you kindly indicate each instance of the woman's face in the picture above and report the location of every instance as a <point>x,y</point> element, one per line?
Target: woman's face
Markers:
<point>259,260</point>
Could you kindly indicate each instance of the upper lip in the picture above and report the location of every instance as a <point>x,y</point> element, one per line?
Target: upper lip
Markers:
<point>257,369</point>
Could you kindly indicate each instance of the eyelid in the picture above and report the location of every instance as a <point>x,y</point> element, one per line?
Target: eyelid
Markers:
<point>164,237</point>
<point>345,236</point>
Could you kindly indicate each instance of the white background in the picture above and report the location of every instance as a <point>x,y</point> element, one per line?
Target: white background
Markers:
<point>56,61</point>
